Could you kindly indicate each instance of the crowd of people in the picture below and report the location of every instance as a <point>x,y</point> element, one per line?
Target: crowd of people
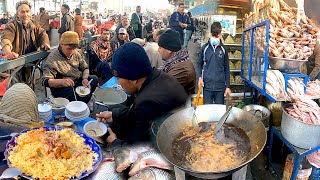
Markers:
<point>158,72</point>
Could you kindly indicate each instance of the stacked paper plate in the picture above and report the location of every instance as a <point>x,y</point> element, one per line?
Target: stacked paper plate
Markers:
<point>77,110</point>
<point>45,112</point>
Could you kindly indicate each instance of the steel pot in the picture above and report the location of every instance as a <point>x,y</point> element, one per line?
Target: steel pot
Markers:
<point>107,98</point>
<point>298,133</point>
<point>174,125</point>
<point>265,119</point>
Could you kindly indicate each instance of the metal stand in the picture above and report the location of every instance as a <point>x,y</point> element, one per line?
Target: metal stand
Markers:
<point>238,175</point>
<point>298,152</point>
<point>296,75</point>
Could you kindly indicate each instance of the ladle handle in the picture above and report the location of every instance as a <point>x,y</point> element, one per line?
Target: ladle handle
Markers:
<point>5,137</point>
<point>223,119</point>
<point>228,99</point>
<point>196,101</point>
<point>154,124</point>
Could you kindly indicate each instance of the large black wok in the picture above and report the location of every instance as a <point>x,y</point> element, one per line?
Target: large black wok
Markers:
<point>174,125</point>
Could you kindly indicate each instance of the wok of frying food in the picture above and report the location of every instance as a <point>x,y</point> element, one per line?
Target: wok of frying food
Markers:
<point>202,150</point>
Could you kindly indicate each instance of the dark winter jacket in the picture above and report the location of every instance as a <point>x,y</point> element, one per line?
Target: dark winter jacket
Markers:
<point>13,36</point>
<point>181,67</point>
<point>175,18</point>
<point>67,23</point>
<point>191,26</point>
<point>215,66</point>
<point>116,43</point>
<point>159,94</point>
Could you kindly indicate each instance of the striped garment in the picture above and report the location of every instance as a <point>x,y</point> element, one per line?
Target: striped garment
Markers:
<point>57,66</point>
<point>102,49</point>
<point>19,106</point>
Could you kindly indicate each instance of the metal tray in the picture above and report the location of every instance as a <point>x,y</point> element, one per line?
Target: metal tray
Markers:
<point>286,65</point>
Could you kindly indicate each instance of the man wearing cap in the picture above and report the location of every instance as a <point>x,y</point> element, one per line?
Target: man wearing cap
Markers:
<point>23,35</point>
<point>64,69</point>
<point>126,25</point>
<point>154,96</point>
<point>119,39</point>
<point>177,61</point>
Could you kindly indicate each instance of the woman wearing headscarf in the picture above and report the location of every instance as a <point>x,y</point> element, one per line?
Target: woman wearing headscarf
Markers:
<point>18,109</point>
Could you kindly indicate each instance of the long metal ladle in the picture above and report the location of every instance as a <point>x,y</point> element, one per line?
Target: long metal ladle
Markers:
<point>222,119</point>
<point>224,116</point>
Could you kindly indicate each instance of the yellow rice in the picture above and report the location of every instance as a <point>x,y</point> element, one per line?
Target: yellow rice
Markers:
<point>30,156</point>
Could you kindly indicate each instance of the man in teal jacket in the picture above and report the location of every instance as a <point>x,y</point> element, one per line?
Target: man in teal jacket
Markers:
<point>136,22</point>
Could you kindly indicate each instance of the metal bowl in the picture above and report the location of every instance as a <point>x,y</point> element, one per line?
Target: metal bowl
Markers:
<point>286,65</point>
<point>62,103</point>
<point>298,133</point>
<point>265,119</point>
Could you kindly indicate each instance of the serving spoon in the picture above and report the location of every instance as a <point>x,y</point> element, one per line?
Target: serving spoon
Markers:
<point>51,100</point>
<point>9,136</point>
<point>195,104</point>
<point>222,120</point>
<point>10,172</point>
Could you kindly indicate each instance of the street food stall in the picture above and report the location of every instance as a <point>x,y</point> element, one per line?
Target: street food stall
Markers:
<point>277,41</point>
<point>267,52</point>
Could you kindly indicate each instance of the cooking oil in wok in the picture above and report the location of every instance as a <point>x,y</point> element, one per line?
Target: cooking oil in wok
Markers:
<point>200,149</point>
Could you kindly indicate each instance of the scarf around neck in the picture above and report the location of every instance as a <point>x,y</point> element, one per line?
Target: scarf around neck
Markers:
<point>102,49</point>
<point>181,56</point>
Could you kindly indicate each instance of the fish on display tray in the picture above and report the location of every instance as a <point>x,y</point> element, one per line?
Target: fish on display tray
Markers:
<point>107,170</point>
<point>152,174</point>
<point>121,158</point>
<point>149,159</point>
<point>148,164</point>
<point>125,156</point>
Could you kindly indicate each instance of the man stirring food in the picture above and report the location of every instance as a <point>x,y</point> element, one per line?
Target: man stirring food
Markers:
<point>156,93</point>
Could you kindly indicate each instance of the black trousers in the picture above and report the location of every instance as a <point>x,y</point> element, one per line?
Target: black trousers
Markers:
<point>213,97</point>
<point>138,33</point>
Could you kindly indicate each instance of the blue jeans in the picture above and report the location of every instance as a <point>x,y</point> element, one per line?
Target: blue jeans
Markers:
<point>213,97</point>
<point>186,38</point>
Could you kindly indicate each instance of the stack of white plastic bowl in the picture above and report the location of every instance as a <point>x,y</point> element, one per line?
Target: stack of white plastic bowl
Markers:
<point>77,111</point>
<point>45,112</point>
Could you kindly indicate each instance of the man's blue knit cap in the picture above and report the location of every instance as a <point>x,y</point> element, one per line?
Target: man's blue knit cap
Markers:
<point>130,61</point>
